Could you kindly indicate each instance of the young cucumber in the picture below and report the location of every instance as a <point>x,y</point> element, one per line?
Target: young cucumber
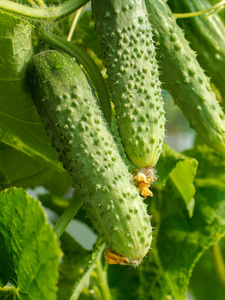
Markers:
<point>185,79</point>
<point>207,37</point>
<point>129,54</point>
<point>72,118</point>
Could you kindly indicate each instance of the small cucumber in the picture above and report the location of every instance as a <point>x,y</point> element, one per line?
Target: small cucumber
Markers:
<point>184,79</point>
<point>129,53</point>
<point>70,112</point>
<point>207,37</point>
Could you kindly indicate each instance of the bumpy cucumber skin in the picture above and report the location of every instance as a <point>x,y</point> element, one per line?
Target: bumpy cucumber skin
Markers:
<point>184,78</point>
<point>72,118</point>
<point>207,37</point>
<point>129,54</point>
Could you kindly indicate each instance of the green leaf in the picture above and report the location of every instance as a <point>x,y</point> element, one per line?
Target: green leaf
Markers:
<point>20,126</point>
<point>184,186</point>
<point>6,263</point>
<point>211,163</point>
<point>170,160</point>
<point>181,171</point>
<point>24,171</point>
<point>179,241</point>
<point>15,47</point>
<point>32,244</point>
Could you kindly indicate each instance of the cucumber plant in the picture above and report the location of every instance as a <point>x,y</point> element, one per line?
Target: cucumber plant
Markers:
<point>72,118</point>
<point>188,203</point>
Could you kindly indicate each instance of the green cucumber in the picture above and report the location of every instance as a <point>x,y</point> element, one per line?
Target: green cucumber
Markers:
<point>207,37</point>
<point>89,65</point>
<point>129,53</point>
<point>72,117</point>
<point>184,79</point>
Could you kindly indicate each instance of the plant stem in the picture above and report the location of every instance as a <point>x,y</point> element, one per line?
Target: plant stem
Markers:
<point>85,276</point>
<point>33,3</point>
<point>89,65</point>
<point>67,216</point>
<point>47,13</point>
<point>41,3</point>
<point>219,263</point>
<point>106,295</point>
<point>75,20</point>
<point>211,9</point>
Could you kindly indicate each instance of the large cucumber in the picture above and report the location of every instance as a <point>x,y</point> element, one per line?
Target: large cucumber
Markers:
<point>72,118</point>
<point>129,53</point>
<point>207,37</point>
<point>184,78</point>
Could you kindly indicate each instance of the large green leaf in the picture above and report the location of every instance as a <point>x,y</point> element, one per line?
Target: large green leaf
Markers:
<point>24,171</point>
<point>175,166</point>
<point>20,126</point>
<point>179,241</point>
<point>32,245</point>
<point>169,160</point>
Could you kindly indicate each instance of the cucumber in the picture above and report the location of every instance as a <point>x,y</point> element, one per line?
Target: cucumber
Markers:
<point>129,54</point>
<point>70,112</point>
<point>207,37</point>
<point>184,79</point>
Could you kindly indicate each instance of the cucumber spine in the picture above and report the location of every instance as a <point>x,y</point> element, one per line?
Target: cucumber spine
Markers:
<point>129,53</point>
<point>184,79</point>
<point>72,118</point>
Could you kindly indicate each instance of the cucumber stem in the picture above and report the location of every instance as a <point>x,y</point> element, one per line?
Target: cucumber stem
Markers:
<point>209,10</point>
<point>75,20</point>
<point>47,13</point>
<point>67,216</point>
<point>41,3</point>
<point>102,280</point>
<point>85,276</point>
<point>33,3</point>
<point>89,65</point>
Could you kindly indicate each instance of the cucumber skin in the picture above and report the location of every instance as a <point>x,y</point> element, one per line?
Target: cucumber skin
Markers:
<point>184,79</point>
<point>129,53</point>
<point>72,118</point>
<point>207,37</point>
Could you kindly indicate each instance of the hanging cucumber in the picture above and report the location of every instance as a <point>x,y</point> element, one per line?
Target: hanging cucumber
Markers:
<point>207,37</point>
<point>89,65</point>
<point>72,118</point>
<point>184,78</point>
<point>129,54</point>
